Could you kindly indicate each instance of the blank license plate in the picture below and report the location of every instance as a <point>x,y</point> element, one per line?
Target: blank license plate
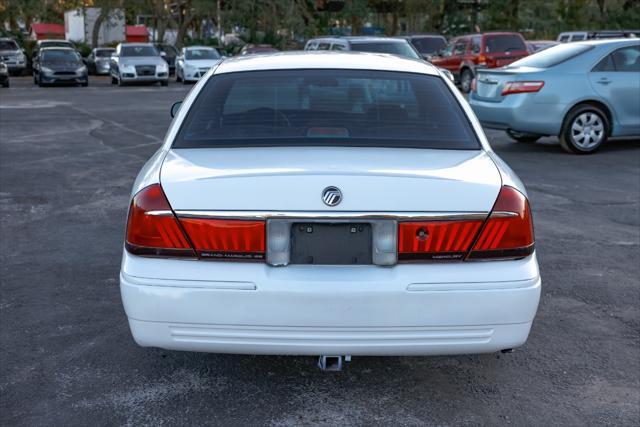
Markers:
<point>330,244</point>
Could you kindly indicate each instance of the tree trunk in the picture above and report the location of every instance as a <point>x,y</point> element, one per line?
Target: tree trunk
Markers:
<point>95,34</point>
<point>602,5</point>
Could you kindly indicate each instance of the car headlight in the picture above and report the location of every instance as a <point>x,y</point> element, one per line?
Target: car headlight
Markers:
<point>126,68</point>
<point>162,68</point>
<point>21,57</point>
<point>3,66</point>
<point>188,67</point>
<point>46,70</point>
<point>81,70</point>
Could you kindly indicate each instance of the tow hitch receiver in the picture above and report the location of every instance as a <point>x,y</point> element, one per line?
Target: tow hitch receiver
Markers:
<point>332,363</point>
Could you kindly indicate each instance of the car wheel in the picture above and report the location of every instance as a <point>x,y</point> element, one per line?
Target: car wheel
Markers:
<point>6,83</point>
<point>85,84</point>
<point>466,77</point>
<point>585,129</point>
<point>40,81</point>
<point>522,137</point>
<point>178,79</point>
<point>184,82</point>
<point>164,83</point>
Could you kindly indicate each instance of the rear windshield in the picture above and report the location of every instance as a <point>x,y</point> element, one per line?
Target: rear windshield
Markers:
<point>428,44</point>
<point>505,43</point>
<point>402,49</point>
<point>326,107</point>
<point>138,51</point>
<point>551,56</point>
<point>8,45</point>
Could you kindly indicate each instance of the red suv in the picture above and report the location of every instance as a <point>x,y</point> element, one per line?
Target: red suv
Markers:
<point>487,50</point>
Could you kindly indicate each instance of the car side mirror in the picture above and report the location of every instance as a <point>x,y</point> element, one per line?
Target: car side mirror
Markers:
<point>175,108</point>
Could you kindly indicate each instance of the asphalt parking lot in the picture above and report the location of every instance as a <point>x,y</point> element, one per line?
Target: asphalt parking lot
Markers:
<point>68,157</point>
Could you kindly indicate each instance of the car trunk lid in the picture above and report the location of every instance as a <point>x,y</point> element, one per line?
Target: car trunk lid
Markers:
<point>293,179</point>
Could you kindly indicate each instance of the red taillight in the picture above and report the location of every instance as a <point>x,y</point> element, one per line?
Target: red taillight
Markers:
<point>152,228</point>
<point>521,87</point>
<point>436,240</point>
<point>226,239</point>
<point>508,232</point>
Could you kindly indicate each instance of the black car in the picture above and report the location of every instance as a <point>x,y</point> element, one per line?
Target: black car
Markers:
<point>169,53</point>
<point>63,65</point>
<point>427,44</point>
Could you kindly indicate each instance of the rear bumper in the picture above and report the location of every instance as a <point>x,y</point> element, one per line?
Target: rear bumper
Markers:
<point>520,113</point>
<point>408,309</point>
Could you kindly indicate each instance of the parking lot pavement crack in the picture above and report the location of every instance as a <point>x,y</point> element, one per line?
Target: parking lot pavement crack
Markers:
<point>113,123</point>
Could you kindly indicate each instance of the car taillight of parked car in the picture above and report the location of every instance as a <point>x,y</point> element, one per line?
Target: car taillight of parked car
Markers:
<point>506,233</point>
<point>521,87</point>
<point>154,230</point>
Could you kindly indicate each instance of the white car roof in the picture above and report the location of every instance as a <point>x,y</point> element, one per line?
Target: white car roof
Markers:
<point>325,60</point>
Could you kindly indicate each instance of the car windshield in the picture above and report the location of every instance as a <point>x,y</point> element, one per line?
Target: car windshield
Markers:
<point>195,54</point>
<point>60,57</point>
<point>504,43</point>
<point>8,45</point>
<point>396,48</point>
<point>138,51</point>
<point>104,53</point>
<point>428,44</point>
<point>551,56</point>
<point>326,107</point>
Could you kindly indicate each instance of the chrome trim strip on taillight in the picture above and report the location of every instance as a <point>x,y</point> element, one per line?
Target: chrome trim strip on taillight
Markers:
<point>322,215</point>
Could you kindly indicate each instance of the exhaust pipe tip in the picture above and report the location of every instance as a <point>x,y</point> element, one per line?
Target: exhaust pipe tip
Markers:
<point>332,363</point>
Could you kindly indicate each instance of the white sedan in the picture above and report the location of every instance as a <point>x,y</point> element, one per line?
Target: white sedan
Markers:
<point>194,62</point>
<point>324,203</point>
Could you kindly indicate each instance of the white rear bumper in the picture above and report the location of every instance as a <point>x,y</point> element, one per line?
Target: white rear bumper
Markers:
<point>410,309</point>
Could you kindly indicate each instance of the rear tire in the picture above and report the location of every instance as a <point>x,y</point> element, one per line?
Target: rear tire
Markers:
<point>466,77</point>
<point>585,128</point>
<point>519,137</point>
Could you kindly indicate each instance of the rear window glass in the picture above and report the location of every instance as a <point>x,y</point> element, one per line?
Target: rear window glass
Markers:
<point>506,43</point>
<point>326,107</point>
<point>428,44</point>
<point>552,56</point>
<point>395,48</point>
